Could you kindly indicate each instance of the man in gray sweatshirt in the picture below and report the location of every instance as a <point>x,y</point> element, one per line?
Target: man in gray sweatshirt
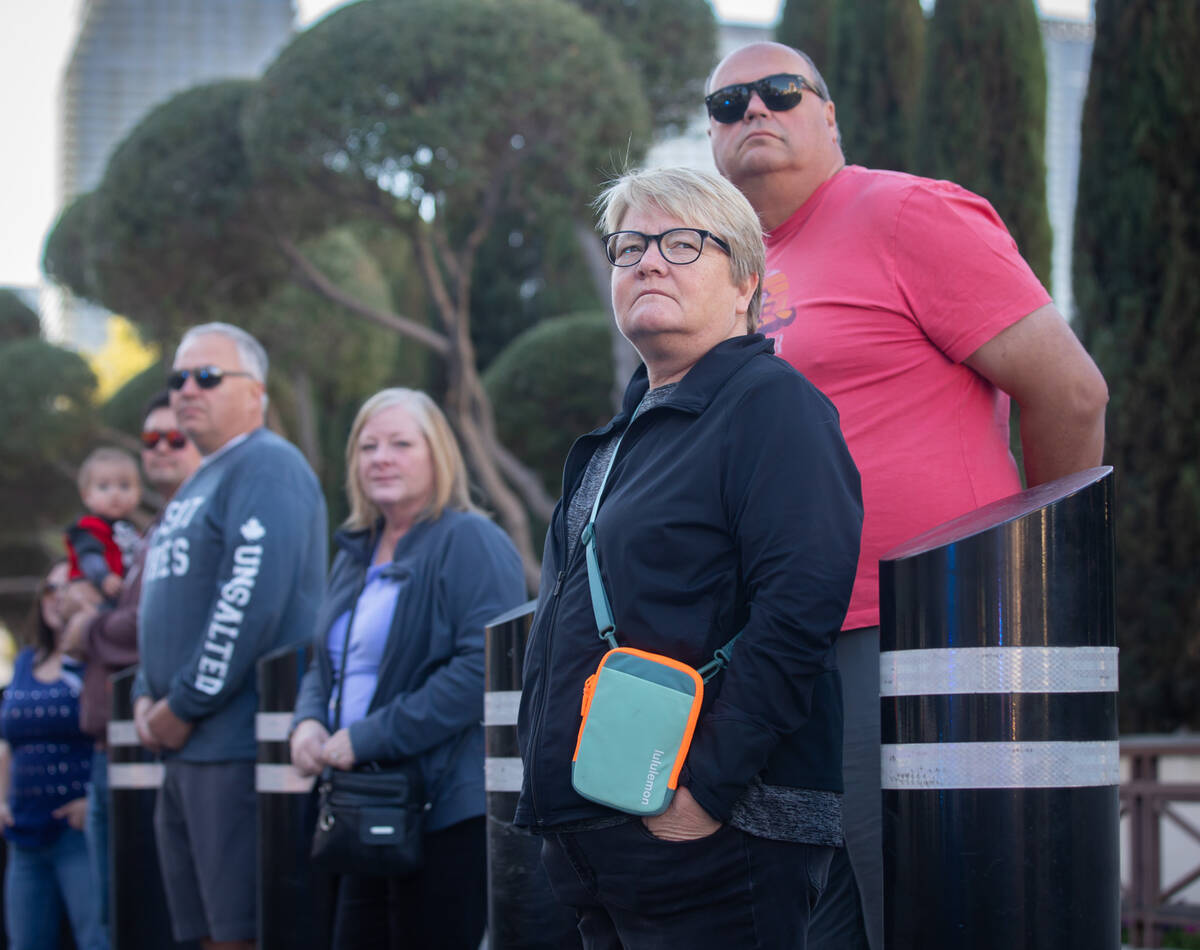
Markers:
<point>234,570</point>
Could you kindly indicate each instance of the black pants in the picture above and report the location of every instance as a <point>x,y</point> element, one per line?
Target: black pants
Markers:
<point>441,907</point>
<point>850,915</point>
<point>729,890</point>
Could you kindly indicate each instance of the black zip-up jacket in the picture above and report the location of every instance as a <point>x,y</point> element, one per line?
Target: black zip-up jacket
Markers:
<point>734,503</point>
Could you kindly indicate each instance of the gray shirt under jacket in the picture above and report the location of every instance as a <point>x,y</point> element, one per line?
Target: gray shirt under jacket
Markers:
<point>233,570</point>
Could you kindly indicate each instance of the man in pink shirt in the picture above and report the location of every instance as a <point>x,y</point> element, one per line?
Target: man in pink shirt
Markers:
<point>906,301</point>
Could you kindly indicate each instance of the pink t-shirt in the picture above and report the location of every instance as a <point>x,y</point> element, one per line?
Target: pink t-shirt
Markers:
<point>877,288</point>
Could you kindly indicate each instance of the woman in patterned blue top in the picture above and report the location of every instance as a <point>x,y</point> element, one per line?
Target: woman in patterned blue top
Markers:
<point>44,764</point>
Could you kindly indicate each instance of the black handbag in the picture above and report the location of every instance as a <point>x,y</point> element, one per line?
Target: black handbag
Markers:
<point>369,820</point>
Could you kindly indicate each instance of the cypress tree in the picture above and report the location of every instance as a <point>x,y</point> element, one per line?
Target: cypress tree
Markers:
<point>983,113</point>
<point>876,80</point>
<point>808,25</point>
<point>1136,274</point>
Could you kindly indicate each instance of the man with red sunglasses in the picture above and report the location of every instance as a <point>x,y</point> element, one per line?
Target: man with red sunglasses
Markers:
<point>905,301</point>
<point>107,640</point>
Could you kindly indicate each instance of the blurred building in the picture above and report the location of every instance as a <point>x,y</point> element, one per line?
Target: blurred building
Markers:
<point>1068,48</point>
<point>1068,45</point>
<point>131,55</point>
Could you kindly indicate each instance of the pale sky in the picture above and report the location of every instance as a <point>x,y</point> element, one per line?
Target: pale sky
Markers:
<point>35,40</point>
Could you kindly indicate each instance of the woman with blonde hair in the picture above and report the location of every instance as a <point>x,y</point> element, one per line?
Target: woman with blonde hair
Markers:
<point>719,504</point>
<point>398,671</point>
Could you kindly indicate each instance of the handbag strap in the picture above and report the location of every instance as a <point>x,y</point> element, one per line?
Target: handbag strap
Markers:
<point>337,714</point>
<point>601,607</point>
<point>341,683</point>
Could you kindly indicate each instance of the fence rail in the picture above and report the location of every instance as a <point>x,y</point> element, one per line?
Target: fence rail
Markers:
<point>1150,905</point>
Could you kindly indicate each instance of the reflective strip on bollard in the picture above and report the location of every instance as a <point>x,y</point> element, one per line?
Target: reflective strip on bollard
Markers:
<point>281,779</point>
<point>135,775</point>
<point>272,726</point>
<point>122,733</point>
<point>502,774</point>
<point>1029,669</point>
<point>942,765</point>
<point>500,707</point>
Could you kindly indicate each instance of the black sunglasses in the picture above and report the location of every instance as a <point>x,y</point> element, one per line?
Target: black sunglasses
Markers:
<point>206,377</point>
<point>175,438</point>
<point>779,93</point>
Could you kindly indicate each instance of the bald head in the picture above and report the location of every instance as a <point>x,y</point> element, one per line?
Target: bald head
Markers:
<point>753,49</point>
<point>777,158</point>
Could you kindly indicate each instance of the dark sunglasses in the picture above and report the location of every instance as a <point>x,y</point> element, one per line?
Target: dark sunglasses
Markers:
<point>206,377</point>
<point>779,93</point>
<point>175,438</point>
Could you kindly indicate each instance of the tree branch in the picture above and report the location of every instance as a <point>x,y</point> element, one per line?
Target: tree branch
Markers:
<point>310,276</point>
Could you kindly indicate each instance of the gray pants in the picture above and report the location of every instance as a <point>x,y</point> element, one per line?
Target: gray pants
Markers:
<point>849,915</point>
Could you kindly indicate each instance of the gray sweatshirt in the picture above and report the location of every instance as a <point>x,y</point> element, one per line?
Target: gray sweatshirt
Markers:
<point>234,570</point>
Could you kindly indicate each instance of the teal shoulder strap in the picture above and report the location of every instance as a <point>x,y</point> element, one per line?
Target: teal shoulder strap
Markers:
<point>600,605</point>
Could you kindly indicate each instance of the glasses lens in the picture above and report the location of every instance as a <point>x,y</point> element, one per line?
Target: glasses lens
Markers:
<point>175,438</point>
<point>207,377</point>
<point>682,245</point>
<point>625,248</point>
<point>780,93</point>
<point>729,104</point>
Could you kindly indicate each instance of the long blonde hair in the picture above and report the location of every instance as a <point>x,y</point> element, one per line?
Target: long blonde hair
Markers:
<point>450,487</point>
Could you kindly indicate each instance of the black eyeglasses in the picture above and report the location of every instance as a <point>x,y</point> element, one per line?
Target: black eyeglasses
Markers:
<point>175,438</point>
<point>677,246</point>
<point>779,93</point>
<point>206,377</point>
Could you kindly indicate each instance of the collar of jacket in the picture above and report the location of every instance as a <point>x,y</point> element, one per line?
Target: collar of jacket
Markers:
<point>701,383</point>
<point>360,543</point>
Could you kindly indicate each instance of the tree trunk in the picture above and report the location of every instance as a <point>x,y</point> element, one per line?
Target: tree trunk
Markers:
<point>625,357</point>
<point>510,486</point>
<point>306,420</point>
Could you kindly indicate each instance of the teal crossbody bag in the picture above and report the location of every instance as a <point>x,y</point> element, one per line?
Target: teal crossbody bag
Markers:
<point>639,709</point>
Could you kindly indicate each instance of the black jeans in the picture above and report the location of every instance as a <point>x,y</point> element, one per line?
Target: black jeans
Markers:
<point>632,890</point>
<point>443,906</point>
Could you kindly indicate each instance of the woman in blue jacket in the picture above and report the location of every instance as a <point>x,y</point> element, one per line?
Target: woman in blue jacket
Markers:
<point>731,504</point>
<point>419,572</point>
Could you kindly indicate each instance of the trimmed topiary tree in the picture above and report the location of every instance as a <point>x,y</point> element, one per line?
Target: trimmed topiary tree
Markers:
<point>876,80</point>
<point>983,113</point>
<point>1137,287</point>
<point>810,25</point>
<point>549,386</point>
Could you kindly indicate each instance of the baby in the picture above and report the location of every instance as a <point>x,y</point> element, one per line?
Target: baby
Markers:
<point>101,545</point>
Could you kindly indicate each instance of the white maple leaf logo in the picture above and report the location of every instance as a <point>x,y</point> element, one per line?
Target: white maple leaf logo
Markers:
<point>253,530</point>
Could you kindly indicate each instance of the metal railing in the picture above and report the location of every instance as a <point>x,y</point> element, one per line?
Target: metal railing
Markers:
<point>1149,905</point>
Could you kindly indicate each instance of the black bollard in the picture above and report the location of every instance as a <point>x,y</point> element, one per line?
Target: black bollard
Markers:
<point>138,915</point>
<point>522,911</point>
<point>998,673</point>
<point>294,902</point>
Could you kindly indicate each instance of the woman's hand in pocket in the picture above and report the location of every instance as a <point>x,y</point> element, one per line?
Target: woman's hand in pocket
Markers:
<point>684,820</point>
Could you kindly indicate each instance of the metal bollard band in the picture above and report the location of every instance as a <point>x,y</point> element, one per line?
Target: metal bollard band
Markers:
<point>1008,669</point>
<point>944,765</point>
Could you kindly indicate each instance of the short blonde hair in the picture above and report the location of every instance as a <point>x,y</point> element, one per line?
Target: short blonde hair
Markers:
<point>450,486</point>
<point>700,199</point>
<point>105,455</point>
